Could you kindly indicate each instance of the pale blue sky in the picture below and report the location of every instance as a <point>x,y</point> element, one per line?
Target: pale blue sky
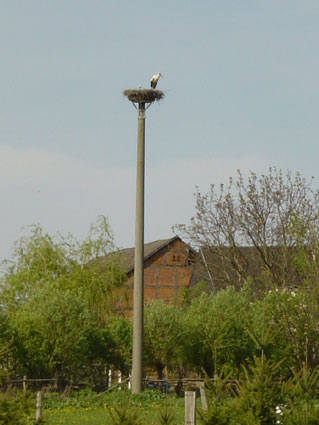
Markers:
<point>242,91</point>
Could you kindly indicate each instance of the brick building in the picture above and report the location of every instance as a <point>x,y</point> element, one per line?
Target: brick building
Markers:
<point>168,268</point>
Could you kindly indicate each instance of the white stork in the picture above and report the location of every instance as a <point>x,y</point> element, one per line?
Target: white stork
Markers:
<point>154,80</point>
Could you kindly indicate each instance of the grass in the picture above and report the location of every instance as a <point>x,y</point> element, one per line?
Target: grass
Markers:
<point>86,409</point>
<point>99,416</point>
<point>79,416</point>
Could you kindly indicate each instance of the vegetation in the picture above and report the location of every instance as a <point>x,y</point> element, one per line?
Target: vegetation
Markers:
<point>258,340</point>
<point>15,408</point>
<point>273,215</point>
<point>57,303</point>
<point>164,321</point>
<point>85,407</point>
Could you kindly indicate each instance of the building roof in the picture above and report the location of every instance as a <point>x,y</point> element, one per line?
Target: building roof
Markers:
<point>220,266</point>
<point>127,255</point>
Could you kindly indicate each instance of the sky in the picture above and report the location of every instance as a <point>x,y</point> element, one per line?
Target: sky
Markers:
<point>241,92</point>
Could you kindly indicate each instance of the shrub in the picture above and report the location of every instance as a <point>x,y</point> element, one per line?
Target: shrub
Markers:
<point>166,415</point>
<point>14,408</point>
<point>218,402</point>
<point>258,393</point>
<point>124,414</point>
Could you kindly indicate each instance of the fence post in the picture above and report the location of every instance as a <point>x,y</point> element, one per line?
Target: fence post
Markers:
<point>190,408</point>
<point>203,396</point>
<point>38,412</point>
<point>119,379</point>
<point>110,378</point>
<point>24,384</point>
<point>129,382</point>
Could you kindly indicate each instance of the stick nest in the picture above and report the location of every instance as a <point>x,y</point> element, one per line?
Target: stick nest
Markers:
<point>144,95</point>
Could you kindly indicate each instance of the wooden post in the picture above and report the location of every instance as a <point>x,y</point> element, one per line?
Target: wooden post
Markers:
<point>190,408</point>
<point>203,396</point>
<point>24,384</point>
<point>38,412</point>
<point>110,378</point>
<point>119,379</point>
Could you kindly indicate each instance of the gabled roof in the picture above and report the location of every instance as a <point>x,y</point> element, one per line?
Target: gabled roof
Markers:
<point>127,255</point>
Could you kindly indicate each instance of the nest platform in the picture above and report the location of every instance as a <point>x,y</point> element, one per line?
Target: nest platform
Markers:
<point>144,95</point>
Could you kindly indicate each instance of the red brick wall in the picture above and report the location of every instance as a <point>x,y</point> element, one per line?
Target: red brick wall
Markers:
<point>165,274</point>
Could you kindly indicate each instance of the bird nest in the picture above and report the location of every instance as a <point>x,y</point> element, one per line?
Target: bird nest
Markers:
<point>144,95</point>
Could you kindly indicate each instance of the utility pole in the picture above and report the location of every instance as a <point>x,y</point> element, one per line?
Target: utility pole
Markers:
<point>141,97</point>
<point>138,309</point>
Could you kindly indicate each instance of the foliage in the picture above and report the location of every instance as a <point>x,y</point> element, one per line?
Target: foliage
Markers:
<point>88,398</point>
<point>121,333</point>
<point>301,414</point>
<point>82,398</point>
<point>216,333</point>
<point>15,408</point>
<point>55,329</point>
<point>5,354</point>
<point>95,412</point>
<point>296,317</point>
<point>148,396</point>
<point>188,294</point>
<point>166,415</point>
<point>56,295</point>
<point>163,335</point>
<point>219,411</point>
<point>57,319</point>
<point>301,395</point>
<point>255,212</point>
<point>258,393</point>
<point>40,260</point>
<point>124,414</point>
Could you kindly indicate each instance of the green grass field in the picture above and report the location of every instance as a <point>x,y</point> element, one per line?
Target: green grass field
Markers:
<point>89,411</point>
<point>99,416</point>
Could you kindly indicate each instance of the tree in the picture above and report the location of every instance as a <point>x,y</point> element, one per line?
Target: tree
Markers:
<point>216,332</point>
<point>296,317</point>
<point>258,393</point>
<point>163,335</point>
<point>246,227</point>
<point>41,260</point>
<point>122,334</point>
<point>54,328</point>
<point>56,295</point>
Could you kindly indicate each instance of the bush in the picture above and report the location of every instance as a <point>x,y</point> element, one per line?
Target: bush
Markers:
<point>14,408</point>
<point>124,414</point>
<point>219,410</point>
<point>258,393</point>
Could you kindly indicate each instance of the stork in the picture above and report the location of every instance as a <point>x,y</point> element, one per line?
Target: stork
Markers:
<point>154,80</point>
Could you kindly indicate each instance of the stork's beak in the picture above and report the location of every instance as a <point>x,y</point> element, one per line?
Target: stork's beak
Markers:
<point>161,75</point>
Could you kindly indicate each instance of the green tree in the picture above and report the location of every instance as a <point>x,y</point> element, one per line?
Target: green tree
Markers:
<point>122,334</point>
<point>216,331</point>
<point>56,294</point>
<point>163,336</point>
<point>90,267</point>
<point>296,316</point>
<point>258,393</point>
<point>54,328</point>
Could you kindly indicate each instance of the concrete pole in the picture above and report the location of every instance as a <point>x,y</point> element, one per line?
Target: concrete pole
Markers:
<point>138,308</point>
